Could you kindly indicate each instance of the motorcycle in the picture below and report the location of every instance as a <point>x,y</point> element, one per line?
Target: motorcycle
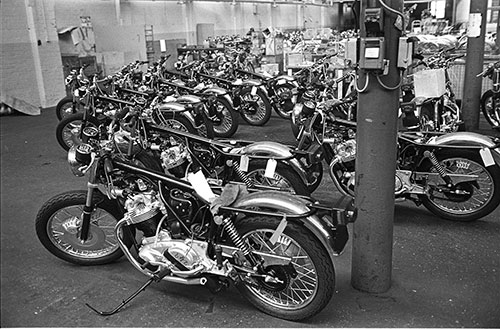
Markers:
<point>99,107</point>
<point>490,100</point>
<point>76,81</point>
<point>442,113</point>
<point>276,248</point>
<point>249,96</point>
<point>456,176</point>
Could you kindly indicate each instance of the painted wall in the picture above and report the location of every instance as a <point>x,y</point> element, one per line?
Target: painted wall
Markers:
<point>31,67</point>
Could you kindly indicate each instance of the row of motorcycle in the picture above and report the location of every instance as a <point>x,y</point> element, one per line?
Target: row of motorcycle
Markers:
<point>184,204</point>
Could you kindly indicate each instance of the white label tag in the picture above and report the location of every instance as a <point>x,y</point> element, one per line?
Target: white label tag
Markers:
<point>200,185</point>
<point>244,163</point>
<point>270,168</point>
<point>254,91</point>
<point>487,157</point>
<point>279,230</point>
<point>281,81</point>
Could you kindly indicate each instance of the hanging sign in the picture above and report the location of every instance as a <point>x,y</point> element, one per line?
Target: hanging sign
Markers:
<point>474,25</point>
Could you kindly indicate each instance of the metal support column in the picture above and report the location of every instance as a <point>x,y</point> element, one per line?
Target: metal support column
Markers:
<point>376,164</point>
<point>474,64</point>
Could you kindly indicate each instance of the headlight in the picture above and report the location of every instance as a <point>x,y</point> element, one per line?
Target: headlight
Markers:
<point>79,158</point>
<point>309,107</point>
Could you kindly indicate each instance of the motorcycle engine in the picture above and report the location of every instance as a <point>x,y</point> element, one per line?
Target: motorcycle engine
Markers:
<point>181,255</point>
<point>346,150</point>
<point>174,156</point>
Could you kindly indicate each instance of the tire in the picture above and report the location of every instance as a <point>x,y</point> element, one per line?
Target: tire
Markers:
<point>66,107</point>
<point>226,123</point>
<point>465,162</point>
<point>57,227</point>
<point>311,262</point>
<point>284,177</point>
<point>318,170</point>
<point>490,106</point>
<point>260,108</point>
<point>278,108</point>
<point>175,121</point>
<point>68,129</point>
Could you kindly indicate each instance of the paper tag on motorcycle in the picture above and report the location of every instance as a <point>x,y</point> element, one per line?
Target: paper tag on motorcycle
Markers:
<point>429,83</point>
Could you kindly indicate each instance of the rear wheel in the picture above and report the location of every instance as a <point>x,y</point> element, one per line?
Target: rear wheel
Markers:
<point>284,108</point>
<point>304,287</point>
<point>58,225</point>
<point>468,201</point>
<point>175,121</point>
<point>284,177</point>
<point>225,122</point>
<point>255,106</point>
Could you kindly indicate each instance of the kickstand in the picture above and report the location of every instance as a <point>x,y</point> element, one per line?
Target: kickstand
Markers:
<point>155,278</point>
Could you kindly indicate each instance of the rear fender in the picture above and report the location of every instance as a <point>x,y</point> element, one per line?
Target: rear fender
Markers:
<point>468,139</point>
<point>332,238</point>
<point>273,149</point>
<point>179,109</point>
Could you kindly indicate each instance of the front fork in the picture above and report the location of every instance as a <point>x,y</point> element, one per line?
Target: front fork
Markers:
<point>87,212</point>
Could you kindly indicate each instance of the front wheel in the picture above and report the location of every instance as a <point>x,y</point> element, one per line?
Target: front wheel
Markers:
<point>68,129</point>
<point>68,106</point>
<point>255,106</point>
<point>58,225</point>
<point>490,106</point>
<point>304,287</point>
<point>467,201</point>
<point>284,178</point>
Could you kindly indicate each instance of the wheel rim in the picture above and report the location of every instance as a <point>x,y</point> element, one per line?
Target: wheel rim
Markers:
<point>258,108</point>
<point>226,121</point>
<point>71,132</point>
<point>67,109</point>
<point>258,177</point>
<point>492,105</point>
<point>63,229</point>
<point>301,290</point>
<point>479,198</point>
<point>174,124</point>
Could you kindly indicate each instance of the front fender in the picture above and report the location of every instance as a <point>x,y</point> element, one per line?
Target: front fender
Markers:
<point>273,149</point>
<point>468,139</point>
<point>333,240</point>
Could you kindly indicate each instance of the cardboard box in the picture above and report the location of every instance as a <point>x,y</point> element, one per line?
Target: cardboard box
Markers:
<point>429,83</point>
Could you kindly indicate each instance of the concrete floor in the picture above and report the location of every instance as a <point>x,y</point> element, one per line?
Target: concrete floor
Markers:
<point>445,274</point>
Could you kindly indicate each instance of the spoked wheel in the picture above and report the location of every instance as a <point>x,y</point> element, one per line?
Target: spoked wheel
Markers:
<point>226,119</point>
<point>68,106</point>
<point>467,201</point>
<point>285,97</point>
<point>58,226</point>
<point>68,129</point>
<point>490,105</point>
<point>297,290</point>
<point>284,177</point>
<point>255,107</point>
<point>175,121</point>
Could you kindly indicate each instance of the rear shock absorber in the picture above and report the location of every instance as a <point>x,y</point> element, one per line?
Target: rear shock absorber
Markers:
<point>241,175</point>
<point>439,167</point>
<point>237,240</point>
